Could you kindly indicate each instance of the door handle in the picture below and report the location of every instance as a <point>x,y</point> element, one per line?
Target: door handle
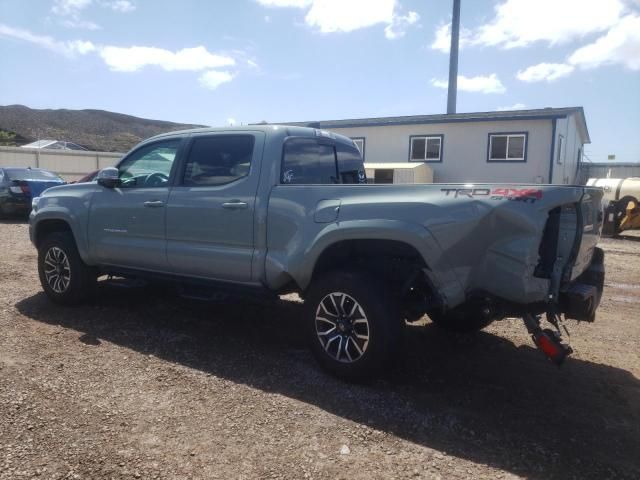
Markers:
<point>154,203</point>
<point>235,205</point>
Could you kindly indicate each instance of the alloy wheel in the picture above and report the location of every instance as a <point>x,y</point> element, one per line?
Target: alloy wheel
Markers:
<point>57,270</point>
<point>342,327</point>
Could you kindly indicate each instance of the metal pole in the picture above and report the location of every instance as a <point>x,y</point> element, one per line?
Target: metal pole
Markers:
<point>453,58</point>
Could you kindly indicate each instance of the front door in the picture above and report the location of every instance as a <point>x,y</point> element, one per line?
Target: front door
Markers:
<point>211,207</point>
<point>127,223</point>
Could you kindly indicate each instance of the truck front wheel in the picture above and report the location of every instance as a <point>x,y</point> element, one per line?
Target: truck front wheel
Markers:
<point>354,326</point>
<point>64,276</point>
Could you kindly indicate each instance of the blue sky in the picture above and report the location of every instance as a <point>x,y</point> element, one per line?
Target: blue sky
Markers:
<point>218,62</point>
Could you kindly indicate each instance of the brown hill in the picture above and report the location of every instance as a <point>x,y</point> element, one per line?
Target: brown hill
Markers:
<point>94,129</point>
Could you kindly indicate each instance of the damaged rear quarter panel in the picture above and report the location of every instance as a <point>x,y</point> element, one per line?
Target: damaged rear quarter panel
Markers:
<point>471,243</point>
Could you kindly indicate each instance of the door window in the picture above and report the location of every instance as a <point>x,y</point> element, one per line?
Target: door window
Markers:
<point>218,159</point>
<point>149,166</point>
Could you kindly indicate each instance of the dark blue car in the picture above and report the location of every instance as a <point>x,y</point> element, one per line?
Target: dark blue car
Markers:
<point>19,185</point>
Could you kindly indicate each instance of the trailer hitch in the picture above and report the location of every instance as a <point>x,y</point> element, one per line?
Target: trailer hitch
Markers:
<point>548,341</point>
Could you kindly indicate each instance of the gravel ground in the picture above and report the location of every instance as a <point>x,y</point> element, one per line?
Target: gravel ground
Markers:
<point>142,384</point>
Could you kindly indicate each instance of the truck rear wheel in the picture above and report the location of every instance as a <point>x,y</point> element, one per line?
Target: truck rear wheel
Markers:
<point>354,326</point>
<point>64,276</point>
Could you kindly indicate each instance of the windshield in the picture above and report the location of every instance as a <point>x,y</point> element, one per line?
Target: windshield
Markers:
<point>31,174</point>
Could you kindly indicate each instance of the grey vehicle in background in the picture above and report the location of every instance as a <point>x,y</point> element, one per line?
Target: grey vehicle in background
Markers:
<point>276,209</point>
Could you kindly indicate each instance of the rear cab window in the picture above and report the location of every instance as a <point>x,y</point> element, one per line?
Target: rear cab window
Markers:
<point>350,164</point>
<point>309,161</point>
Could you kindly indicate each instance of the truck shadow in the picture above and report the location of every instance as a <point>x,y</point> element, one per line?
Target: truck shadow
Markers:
<point>14,220</point>
<point>631,238</point>
<point>479,397</point>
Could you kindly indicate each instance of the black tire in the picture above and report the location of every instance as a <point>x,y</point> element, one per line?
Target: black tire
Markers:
<point>383,325</point>
<point>82,278</point>
<point>463,320</point>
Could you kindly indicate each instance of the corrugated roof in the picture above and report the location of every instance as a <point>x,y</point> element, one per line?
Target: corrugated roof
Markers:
<point>39,144</point>
<point>54,144</point>
<point>531,114</point>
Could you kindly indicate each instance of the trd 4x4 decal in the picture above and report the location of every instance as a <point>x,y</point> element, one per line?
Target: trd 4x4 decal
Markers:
<point>529,195</point>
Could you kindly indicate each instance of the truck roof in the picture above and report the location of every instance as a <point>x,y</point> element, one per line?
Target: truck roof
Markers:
<point>284,130</point>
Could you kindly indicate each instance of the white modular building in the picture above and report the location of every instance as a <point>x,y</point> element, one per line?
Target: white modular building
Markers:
<point>523,146</point>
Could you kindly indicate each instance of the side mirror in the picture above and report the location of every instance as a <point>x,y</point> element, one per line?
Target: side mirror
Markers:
<point>109,177</point>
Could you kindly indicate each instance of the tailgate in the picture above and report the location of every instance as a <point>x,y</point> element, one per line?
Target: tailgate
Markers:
<point>589,226</point>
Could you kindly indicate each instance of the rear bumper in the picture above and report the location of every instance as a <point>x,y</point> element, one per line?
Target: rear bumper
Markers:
<point>581,298</point>
<point>11,206</point>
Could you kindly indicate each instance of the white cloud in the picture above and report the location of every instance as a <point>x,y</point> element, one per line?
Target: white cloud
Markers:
<point>442,40</point>
<point>75,22</point>
<point>544,71</point>
<point>340,16</point>
<point>620,45</point>
<point>70,11</point>
<point>131,59</point>
<point>122,6</point>
<point>213,79</point>
<point>68,49</point>
<point>80,46</point>
<point>69,7</point>
<point>480,84</point>
<point>330,16</point>
<point>515,106</point>
<point>231,122</point>
<point>285,3</point>
<point>399,24</point>
<point>252,64</point>
<point>518,23</point>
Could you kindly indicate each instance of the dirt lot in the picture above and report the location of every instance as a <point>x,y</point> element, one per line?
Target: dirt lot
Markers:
<point>142,384</point>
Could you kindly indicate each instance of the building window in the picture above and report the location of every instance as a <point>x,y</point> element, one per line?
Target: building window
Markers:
<point>560,142</point>
<point>359,143</point>
<point>425,148</point>
<point>507,147</point>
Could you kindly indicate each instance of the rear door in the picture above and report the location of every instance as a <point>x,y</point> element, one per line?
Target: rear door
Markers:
<point>210,214</point>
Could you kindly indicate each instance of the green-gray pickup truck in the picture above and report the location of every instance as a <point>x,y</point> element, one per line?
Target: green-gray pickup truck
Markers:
<point>278,209</point>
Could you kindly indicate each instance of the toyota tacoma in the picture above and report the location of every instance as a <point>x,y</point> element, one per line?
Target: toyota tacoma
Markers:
<point>279,209</point>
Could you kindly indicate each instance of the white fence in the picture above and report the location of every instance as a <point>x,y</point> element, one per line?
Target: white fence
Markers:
<point>69,164</point>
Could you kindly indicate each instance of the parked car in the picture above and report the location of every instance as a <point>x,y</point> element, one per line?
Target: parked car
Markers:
<point>19,185</point>
<point>277,209</point>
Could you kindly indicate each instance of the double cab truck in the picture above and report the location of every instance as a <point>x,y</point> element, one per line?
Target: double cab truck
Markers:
<point>279,209</point>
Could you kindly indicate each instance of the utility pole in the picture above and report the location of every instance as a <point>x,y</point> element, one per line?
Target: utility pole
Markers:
<point>453,58</point>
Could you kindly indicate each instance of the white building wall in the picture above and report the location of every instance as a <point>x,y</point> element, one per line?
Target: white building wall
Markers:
<point>464,149</point>
<point>69,164</point>
<point>565,161</point>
